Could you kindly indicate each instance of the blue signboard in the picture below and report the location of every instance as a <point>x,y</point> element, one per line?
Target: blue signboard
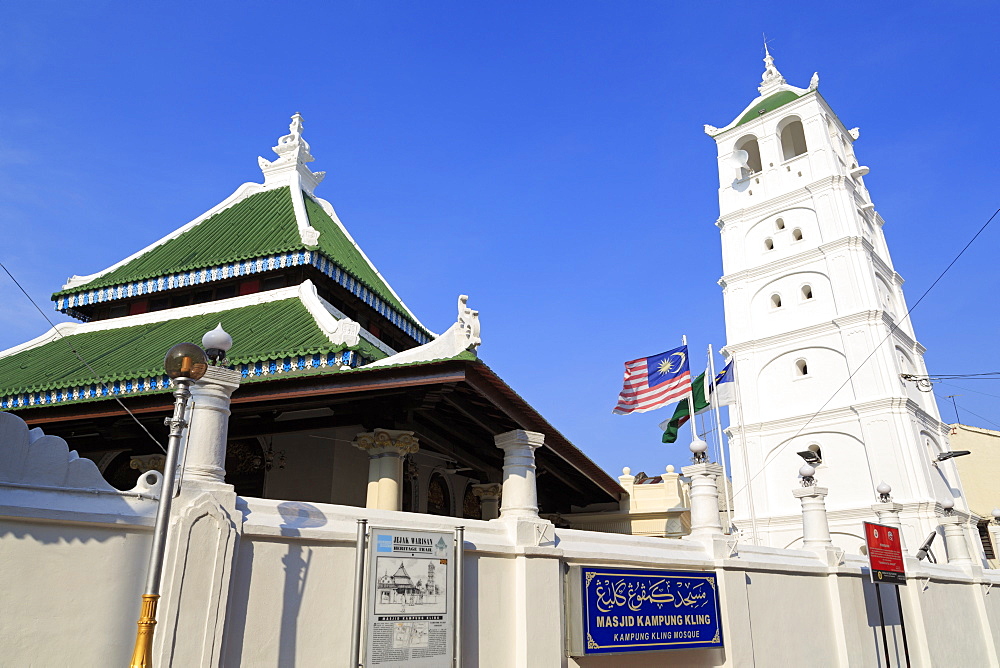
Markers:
<point>628,610</point>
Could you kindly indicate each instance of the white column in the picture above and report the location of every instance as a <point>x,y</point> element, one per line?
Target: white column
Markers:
<point>954,539</point>
<point>208,419</point>
<point>815,525</point>
<point>520,495</point>
<point>888,514</point>
<point>704,499</point>
<point>489,499</point>
<point>386,448</point>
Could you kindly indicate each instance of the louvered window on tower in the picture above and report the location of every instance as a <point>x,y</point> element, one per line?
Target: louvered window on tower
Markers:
<point>984,536</point>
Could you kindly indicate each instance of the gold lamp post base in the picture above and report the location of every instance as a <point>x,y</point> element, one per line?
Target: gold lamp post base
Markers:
<point>142,655</point>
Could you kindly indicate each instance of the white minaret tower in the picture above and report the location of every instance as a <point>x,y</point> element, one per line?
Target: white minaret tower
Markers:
<point>815,321</point>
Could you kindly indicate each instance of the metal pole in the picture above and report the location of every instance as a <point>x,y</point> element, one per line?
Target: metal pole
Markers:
<point>690,396</point>
<point>459,591</point>
<point>142,654</point>
<point>881,619</point>
<point>359,583</point>
<point>743,451</point>
<point>902,626</point>
<point>726,486</point>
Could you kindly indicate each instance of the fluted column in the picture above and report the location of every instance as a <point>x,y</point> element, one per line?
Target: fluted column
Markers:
<point>386,449</point>
<point>208,419</point>
<point>704,498</point>
<point>489,499</point>
<point>520,494</point>
<point>815,524</point>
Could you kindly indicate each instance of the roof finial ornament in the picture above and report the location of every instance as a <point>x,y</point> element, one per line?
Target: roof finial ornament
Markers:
<point>293,154</point>
<point>772,77</point>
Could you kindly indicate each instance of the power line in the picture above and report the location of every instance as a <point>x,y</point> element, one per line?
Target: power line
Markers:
<point>952,397</point>
<point>80,357</point>
<point>892,331</point>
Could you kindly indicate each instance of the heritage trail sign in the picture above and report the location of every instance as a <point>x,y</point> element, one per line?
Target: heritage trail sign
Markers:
<point>411,599</point>
<point>625,610</point>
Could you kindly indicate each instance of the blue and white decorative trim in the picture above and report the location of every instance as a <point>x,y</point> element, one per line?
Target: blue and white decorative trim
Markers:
<point>273,367</point>
<point>67,303</point>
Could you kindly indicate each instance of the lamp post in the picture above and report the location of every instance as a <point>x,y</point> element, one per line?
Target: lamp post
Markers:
<point>184,364</point>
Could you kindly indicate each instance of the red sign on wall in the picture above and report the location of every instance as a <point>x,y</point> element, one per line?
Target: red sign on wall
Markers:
<point>885,554</point>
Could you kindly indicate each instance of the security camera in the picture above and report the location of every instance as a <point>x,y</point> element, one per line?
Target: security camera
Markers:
<point>811,457</point>
<point>926,546</point>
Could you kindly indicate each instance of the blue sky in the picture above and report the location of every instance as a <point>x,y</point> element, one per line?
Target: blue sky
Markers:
<point>547,159</point>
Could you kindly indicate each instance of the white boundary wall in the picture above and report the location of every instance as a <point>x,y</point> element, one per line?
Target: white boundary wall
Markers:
<point>252,582</point>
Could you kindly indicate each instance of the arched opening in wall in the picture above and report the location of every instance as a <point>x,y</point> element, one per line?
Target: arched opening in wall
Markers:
<point>768,244</point>
<point>797,234</point>
<point>801,367</point>
<point>775,300</point>
<point>793,140</point>
<point>471,507</point>
<point>814,447</point>
<point>438,497</point>
<point>749,144</point>
<point>807,292</point>
<point>779,224</point>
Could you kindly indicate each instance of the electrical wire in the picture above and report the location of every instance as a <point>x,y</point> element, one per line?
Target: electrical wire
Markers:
<point>892,331</point>
<point>966,410</point>
<point>80,357</point>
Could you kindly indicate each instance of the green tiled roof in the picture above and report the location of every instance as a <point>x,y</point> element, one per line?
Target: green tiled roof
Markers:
<point>335,245</point>
<point>259,225</point>
<point>262,224</point>
<point>267,331</point>
<point>769,103</point>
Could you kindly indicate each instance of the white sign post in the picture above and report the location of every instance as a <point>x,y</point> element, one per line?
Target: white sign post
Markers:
<point>410,608</point>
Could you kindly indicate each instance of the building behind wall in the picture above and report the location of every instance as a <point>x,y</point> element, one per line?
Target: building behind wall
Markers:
<point>815,320</point>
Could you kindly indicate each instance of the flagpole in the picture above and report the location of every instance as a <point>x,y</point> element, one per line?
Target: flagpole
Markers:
<point>727,486</point>
<point>691,418</point>
<point>746,462</point>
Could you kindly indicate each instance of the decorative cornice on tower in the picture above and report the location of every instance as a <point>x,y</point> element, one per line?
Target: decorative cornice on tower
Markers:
<point>772,79</point>
<point>293,154</point>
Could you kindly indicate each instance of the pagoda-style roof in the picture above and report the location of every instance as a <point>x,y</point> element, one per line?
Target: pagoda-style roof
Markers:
<point>259,228</point>
<point>279,331</point>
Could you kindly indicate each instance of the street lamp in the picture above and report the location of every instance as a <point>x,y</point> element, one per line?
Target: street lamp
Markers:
<point>184,363</point>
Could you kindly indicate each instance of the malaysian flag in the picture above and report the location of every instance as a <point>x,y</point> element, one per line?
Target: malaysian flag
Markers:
<point>654,382</point>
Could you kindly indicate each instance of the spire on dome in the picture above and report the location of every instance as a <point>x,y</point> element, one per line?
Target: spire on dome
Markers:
<point>293,154</point>
<point>772,77</point>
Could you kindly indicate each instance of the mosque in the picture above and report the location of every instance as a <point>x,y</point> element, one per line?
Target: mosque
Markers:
<point>338,409</point>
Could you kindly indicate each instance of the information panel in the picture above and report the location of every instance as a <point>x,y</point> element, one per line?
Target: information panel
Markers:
<point>410,604</point>
<point>885,554</point>
<point>628,610</point>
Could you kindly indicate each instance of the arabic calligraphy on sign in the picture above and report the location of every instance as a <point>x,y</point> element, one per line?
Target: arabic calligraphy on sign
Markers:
<point>635,610</point>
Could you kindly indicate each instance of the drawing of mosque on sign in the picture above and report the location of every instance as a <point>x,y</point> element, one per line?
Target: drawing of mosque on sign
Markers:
<point>400,589</point>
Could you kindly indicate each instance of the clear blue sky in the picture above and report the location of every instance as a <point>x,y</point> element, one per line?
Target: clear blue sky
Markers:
<point>547,159</point>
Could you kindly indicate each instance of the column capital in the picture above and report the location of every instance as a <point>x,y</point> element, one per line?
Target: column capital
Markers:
<point>891,507</point>
<point>228,379</point>
<point>489,490</point>
<point>705,469</point>
<point>519,438</point>
<point>387,441</point>
<point>810,491</point>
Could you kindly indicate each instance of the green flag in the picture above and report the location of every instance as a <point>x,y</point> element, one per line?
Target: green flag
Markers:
<point>682,414</point>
